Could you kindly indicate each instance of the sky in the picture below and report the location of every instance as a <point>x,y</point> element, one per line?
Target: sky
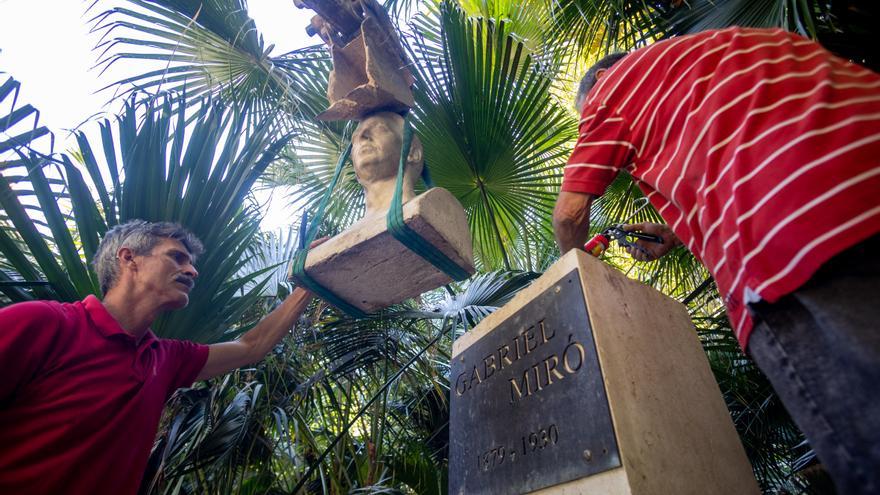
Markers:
<point>46,45</point>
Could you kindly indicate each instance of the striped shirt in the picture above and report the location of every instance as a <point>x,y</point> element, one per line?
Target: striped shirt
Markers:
<point>758,147</point>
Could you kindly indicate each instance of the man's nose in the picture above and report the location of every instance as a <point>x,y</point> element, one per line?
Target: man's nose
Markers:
<point>191,271</point>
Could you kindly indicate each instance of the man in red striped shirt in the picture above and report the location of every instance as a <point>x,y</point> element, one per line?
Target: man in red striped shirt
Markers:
<point>761,150</point>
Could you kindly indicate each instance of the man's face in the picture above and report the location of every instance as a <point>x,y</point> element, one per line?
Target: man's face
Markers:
<point>375,147</point>
<point>167,274</point>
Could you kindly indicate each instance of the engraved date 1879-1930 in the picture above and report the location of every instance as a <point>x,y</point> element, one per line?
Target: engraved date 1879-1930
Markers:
<point>529,444</point>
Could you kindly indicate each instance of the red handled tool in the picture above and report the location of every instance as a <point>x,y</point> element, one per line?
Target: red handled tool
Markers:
<point>600,242</point>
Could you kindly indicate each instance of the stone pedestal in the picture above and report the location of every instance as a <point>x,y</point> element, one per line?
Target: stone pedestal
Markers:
<point>590,383</point>
<point>366,266</point>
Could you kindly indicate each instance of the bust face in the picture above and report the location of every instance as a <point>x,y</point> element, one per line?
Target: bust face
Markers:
<point>375,147</point>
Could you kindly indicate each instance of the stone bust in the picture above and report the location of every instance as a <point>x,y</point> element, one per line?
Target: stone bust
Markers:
<point>375,152</point>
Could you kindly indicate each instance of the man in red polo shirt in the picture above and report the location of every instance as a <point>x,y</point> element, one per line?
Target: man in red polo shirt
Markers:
<point>761,150</point>
<point>84,383</point>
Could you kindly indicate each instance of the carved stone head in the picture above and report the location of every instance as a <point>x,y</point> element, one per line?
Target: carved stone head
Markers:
<point>375,152</point>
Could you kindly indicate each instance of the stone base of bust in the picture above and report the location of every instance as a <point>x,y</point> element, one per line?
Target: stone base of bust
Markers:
<point>673,431</point>
<point>370,269</point>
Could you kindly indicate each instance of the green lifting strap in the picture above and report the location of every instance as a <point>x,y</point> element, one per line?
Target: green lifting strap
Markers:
<point>409,237</point>
<point>306,238</point>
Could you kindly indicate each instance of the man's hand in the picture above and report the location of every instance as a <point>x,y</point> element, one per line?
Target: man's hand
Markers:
<point>650,251</point>
<point>571,220</point>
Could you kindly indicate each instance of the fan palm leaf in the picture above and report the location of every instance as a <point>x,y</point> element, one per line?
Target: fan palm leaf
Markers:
<point>209,48</point>
<point>493,135</point>
<point>269,255</point>
<point>587,27</point>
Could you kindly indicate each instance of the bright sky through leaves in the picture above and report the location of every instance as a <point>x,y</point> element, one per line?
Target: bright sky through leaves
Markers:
<point>46,45</point>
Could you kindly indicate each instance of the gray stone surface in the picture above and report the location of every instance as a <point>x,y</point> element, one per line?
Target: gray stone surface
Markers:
<point>369,268</point>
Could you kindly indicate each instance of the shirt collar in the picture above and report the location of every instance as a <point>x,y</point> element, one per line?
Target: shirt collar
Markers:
<point>106,324</point>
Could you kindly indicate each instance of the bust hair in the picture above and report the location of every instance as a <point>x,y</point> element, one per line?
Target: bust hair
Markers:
<point>141,237</point>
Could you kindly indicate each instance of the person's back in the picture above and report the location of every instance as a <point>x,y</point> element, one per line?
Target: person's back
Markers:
<point>758,147</point>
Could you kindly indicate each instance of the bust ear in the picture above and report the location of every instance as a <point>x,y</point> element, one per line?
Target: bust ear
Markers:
<point>415,151</point>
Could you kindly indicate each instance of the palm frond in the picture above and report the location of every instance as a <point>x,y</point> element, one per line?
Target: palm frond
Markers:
<point>493,135</point>
<point>209,48</point>
<point>588,27</point>
<point>269,256</point>
<point>40,256</point>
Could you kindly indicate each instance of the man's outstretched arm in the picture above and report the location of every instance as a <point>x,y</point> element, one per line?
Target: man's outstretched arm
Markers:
<point>571,220</point>
<point>255,344</point>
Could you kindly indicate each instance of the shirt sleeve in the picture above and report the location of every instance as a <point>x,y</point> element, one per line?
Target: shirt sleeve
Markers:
<point>186,360</point>
<point>26,333</point>
<point>603,148</point>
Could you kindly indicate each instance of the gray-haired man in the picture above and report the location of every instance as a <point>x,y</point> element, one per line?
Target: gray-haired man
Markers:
<point>85,382</point>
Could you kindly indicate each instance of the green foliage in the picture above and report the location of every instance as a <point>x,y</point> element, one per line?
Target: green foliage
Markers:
<point>38,253</point>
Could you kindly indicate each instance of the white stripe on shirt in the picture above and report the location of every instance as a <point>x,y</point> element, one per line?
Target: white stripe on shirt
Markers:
<point>590,165</point>
<point>704,190</point>
<point>705,98</point>
<point>607,143</point>
<point>717,87</point>
<point>708,124</point>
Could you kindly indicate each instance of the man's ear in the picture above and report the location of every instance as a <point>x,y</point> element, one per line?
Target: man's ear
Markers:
<point>600,73</point>
<point>126,258</point>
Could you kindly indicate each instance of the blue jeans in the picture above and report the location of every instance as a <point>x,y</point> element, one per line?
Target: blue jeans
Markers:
<point>820,348</point>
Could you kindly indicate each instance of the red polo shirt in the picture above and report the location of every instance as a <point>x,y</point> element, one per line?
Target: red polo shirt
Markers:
<point>80,400</point>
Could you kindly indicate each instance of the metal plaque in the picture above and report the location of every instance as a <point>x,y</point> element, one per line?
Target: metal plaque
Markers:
<point>528,407</point>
